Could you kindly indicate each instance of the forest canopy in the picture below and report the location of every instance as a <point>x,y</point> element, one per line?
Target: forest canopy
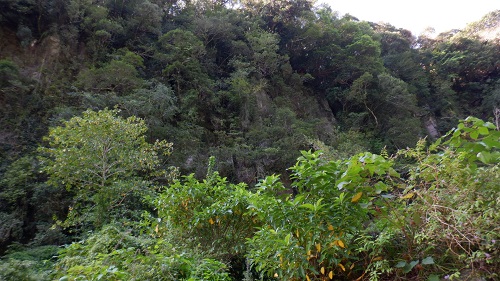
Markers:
<point>249,140</point>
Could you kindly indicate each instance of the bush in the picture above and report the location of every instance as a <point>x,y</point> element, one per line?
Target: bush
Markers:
<point>313,235</point>
<point>454,187</point>
<point>116,254</point>
<point>20,270</point>
<point>350,219</point>
<point>211,213</point>
<point>26,264</point>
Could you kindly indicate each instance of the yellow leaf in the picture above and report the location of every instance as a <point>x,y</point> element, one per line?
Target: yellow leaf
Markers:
<point>307,277</point>
<point>341,267</point>
<point>351,267</point>
<point>330,227</point>
<point>156,229</point>
<point>322,270</point>
<point>297,232</point>
<point>211,221</point>
<point>356,197</point>
<point>330,274</point>
<point>318,247</point>
<point>309,252</point>
<point>408,196</point>
<point>341,244</point>
<point>377,259</point>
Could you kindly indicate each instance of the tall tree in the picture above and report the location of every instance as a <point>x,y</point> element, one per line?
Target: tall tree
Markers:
<point>105,160</point>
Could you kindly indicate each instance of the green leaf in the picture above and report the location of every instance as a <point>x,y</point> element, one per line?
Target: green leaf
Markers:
<point>489,143</point>
<point>428,260</point>
<point>495,156</point>
<point>341,185</point>
<point>474,135</point>
<point>380,186</point>
<point>483,131</point>
<point>433,277</point>
<point>484,157</point>
<point>393,173</point>
<point>409,266</point>
<point>318,205</point>
<point>307,206</point>
<point>302,272</point>
<point>287,239</point>
<point>436,143</point>
<point>401,264</point>
<point>490,125</point>
<point>298,199</point>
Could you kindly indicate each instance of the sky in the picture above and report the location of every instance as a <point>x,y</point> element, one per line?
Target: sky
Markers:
<point>417,15</point>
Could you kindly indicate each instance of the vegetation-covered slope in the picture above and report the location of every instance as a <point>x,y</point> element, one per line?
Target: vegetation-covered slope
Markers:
<point>251,83</point>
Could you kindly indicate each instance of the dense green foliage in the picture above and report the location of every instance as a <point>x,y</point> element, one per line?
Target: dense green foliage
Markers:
<point>252,83</point>
<point>455,183</point>
<point>112,254</point>
<point>211,212</point>
<point>315,233</point>
<point>107,163</point>
<point>345,219</point>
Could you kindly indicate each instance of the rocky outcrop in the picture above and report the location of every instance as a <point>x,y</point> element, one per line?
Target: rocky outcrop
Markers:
<point>431,127</point>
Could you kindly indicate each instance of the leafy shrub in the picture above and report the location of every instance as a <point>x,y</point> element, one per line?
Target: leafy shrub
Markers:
<point>40,253</point>
<point>116,254</point>
<point>314,235</point>
<point>26,264</point>
<point>211,212</point>
<point>20,270</point>
<point>454,187</point>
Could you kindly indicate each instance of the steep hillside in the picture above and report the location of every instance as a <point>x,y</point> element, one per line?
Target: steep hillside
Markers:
<point>251,85</point>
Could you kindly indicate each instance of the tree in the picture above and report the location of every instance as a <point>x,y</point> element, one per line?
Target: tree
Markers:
<point>363,55</point>
<point>400,123</point>
<point>359,93</point>
<point>120,75</point>
<point>265,52</point>
<point>104,159</point>
<point>183,51</point>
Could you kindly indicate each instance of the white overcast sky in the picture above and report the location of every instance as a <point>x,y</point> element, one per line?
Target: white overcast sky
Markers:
<point>416,15</point>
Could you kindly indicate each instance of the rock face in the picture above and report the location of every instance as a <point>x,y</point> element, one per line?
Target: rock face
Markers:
<point>49,49</point>
<point>33,58</point>
<point>431,127</point>
<point>10,46</point>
